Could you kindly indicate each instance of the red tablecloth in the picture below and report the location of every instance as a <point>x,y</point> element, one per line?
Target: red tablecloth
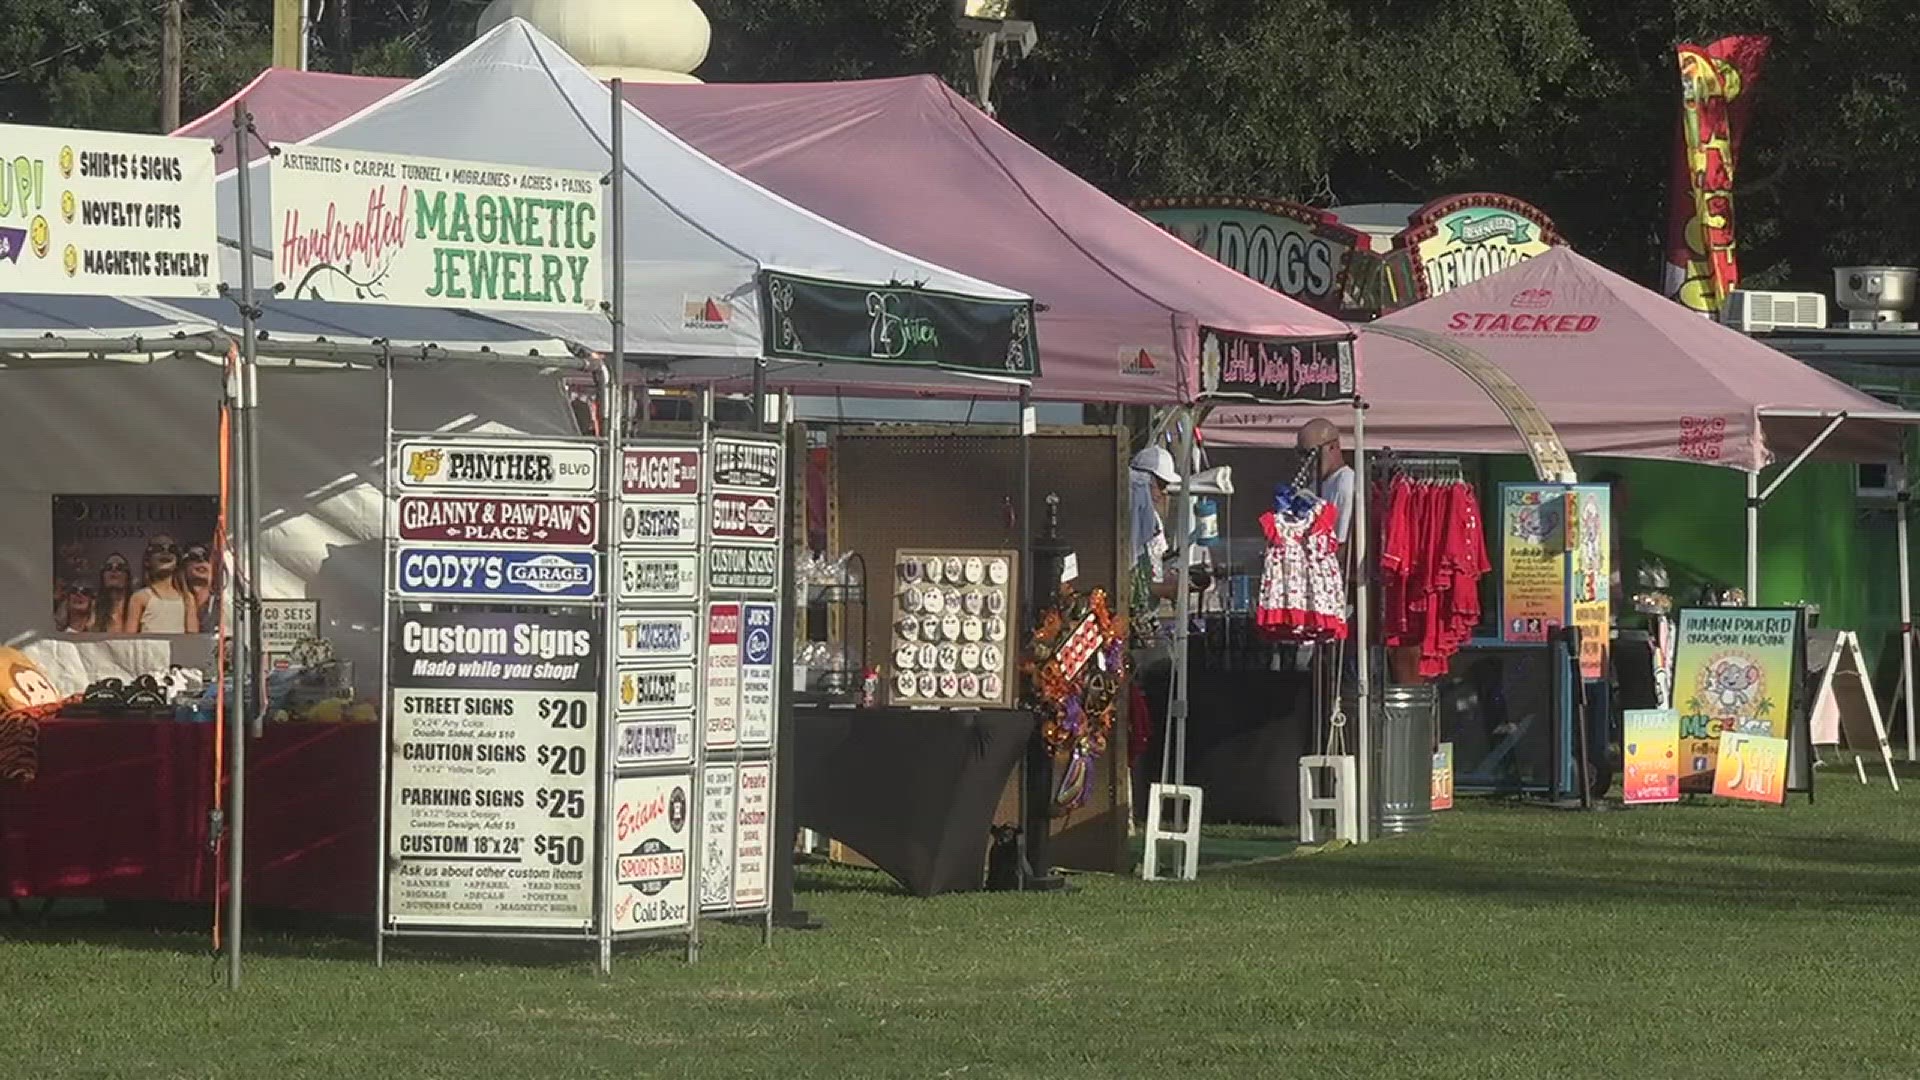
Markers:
<point>119,812</point>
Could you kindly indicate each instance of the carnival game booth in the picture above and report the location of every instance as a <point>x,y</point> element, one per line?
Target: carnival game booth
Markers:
<point>1559,355</point>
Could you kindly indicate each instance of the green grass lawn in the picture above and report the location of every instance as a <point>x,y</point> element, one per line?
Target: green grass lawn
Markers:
<point>1693,941</point>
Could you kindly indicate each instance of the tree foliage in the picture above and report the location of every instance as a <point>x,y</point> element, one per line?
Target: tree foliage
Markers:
<point>1570,104</point>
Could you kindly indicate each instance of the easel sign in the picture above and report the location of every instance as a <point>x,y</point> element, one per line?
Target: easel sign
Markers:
<point>1844,712</point>
<point>1734,670</point>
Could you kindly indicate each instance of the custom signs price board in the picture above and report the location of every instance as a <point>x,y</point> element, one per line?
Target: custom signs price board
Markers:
<point>360,227</point>
<point>492,765</point>
<point>106,214</point>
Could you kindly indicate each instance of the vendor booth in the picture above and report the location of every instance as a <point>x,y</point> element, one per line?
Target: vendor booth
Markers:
<point>1616,371</point>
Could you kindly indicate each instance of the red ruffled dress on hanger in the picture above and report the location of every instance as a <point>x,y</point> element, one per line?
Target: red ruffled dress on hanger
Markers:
<point>1303,594</point>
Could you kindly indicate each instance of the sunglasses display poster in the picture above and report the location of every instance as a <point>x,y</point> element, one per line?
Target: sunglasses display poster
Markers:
<point>494,775</point>
<point>135,564</point>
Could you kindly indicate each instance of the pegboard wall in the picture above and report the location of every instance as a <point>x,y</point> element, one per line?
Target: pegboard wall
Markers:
<point>916,487</point>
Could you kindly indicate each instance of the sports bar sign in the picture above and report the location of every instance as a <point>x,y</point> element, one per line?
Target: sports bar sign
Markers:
<point>359,227</point>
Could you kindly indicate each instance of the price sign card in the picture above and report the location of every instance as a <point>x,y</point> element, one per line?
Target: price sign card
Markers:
<point>491,809</point>
<point>648,853</point>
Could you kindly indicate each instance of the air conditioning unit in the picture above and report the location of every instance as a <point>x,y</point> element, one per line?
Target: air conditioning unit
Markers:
<point>1751,311</point>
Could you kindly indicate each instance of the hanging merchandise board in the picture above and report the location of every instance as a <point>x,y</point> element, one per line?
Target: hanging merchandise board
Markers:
<point>951,645</point>
<point>659,648</point>
<point>353,226</point>
<point>745,482</point>
<point>1555,564</point>
<point>1735,671</point>
<point>492,753</point>
<point>1650,739</point>
<point>100,213</point>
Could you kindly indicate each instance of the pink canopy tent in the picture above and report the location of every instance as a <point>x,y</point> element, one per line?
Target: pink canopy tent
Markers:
<point>914,166</point>
<point>1617,369</point>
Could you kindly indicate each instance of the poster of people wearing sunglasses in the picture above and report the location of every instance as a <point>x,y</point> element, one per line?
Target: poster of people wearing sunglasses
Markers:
<point>135,564</point>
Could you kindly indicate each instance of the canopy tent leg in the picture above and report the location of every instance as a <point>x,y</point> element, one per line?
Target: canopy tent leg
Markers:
<point>613,430</point>
<point>1362,667</point>
<point>1753,538</point>
<point>250,688</point>
<point>1182,610</point>
<point>1901,497</point>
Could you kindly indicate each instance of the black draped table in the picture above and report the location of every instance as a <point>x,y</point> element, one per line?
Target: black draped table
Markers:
<point>1246,731</point>
<point>913,791</point>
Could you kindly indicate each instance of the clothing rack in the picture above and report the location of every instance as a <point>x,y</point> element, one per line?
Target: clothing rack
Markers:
<point>1419,466</point>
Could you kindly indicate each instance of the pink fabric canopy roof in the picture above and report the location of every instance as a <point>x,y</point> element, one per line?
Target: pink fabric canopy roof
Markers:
<point>911,164</point>
<point>1616,368</point>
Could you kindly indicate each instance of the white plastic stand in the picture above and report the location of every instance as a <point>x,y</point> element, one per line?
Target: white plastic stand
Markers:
<point>1341,801</point>
<point>1173,816</point>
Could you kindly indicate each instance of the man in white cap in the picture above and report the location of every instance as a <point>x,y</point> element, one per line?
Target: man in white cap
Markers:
<point>1148,483</point>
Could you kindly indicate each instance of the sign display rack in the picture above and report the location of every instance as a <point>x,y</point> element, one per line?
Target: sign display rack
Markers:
<point>581,685</point>
<point>494,725</point>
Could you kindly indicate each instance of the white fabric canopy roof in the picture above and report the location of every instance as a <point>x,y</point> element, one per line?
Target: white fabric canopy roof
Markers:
<point>693,229</point>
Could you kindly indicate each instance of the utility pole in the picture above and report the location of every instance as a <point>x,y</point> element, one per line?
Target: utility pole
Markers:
<point>170,67</point>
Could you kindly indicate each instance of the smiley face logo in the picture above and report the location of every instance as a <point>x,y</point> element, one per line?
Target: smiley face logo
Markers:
<point>70,258</point>
<point>66,206</point>
<point>40,236</point>
<point>66,162</point>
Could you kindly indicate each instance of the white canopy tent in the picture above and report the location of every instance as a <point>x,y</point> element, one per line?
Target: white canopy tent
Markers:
<point>693,230</point>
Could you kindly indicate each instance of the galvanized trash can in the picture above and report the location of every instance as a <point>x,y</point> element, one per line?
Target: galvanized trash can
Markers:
<point>1403,760</point>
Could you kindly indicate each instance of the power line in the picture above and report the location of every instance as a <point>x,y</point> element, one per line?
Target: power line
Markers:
<point>79,45</point>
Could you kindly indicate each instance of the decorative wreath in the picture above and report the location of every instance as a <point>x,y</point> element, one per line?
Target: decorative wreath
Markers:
<point>1077,662</point>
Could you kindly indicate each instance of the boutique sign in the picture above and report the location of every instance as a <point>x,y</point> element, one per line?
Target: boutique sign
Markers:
<point>812,319</point>
<point>1274,371</point>
<point>369,228</point>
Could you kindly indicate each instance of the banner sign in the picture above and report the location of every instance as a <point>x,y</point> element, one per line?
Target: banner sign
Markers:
<point>1302,251</point>
<point>646,524</point>
<point>1716,97</point>
<point>722,678</point>
<point>753,801</point>
<point>284,624</point>
<point>1734,672</point>
<point>1589,573</point>
<point>655,637</point>
<point>732,568</point>
<point>1460,239</point>
<point>660,470</point>
<point>491,765</point>
<point>494,466</point>
<point>422,573</point>
<point>716,838</point>
<point>1752,768</point>
<point>649,853</point>
<point>1533,547</point>
<point>1651,739</point>
<point>1443,777</point>
<point>759,646</point>
<point>358,227</point>
<point>1275,371</point>
<point>670,577</point>
<point>815,319</point>
<point>99,213</point>
<point>745,517</point>
<point>573,523</point>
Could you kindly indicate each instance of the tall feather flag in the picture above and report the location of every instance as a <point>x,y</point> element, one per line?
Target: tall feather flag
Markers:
<point>1716,86</point>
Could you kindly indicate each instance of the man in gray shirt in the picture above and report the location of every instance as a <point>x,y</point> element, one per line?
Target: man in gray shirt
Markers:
<point>1335,476</point>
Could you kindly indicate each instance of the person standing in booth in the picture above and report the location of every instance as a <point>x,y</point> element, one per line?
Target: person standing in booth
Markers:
<point>1319,438</point>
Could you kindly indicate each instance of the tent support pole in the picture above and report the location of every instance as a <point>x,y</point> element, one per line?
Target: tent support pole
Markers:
<point>1182,611</point>
<point>1801,458</point>
<point>386,664</point>
<point>613,389</point>
<point>1753,538</point>
<point>1362,692</point>
<point>247,697</point>
<point>1901,497</point>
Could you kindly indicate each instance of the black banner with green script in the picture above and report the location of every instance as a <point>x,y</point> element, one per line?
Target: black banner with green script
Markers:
<point>839,322</point>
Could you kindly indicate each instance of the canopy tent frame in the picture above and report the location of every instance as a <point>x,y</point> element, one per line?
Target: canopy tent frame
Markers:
<point>1757,497</point>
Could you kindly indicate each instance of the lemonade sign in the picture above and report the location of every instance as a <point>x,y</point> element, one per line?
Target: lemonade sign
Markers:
<point>1733,675</point>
